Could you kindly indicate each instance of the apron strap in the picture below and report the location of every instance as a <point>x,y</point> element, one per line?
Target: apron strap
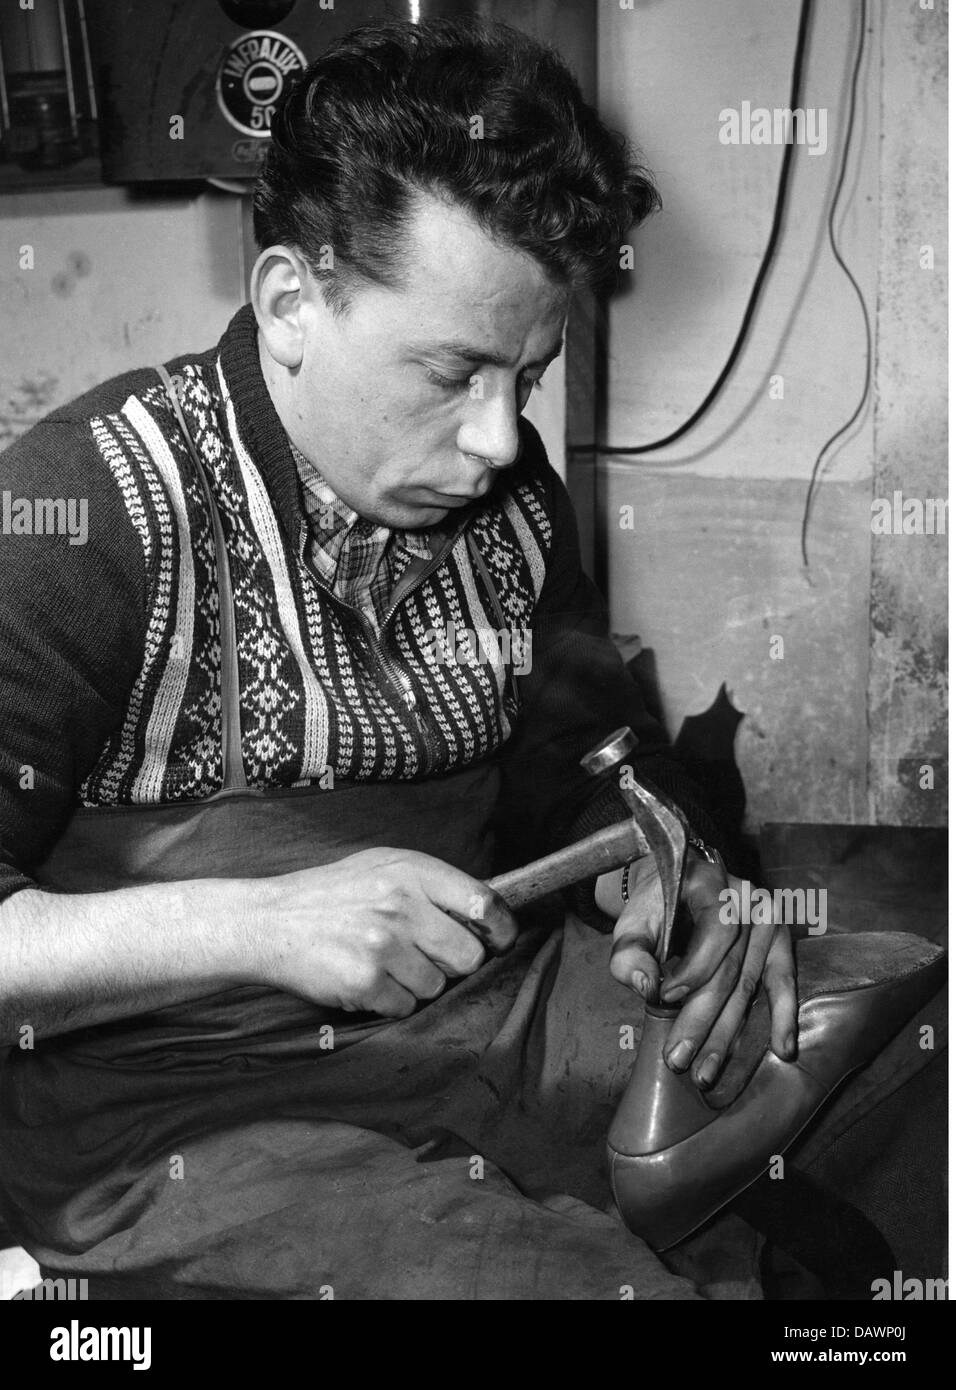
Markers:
<point>492,592</point>
<point>234,776</point>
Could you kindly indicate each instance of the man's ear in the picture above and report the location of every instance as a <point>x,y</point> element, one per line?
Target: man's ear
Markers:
<point>280,289</point>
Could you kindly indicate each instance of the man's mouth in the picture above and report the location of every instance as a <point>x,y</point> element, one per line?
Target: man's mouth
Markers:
<point>459,499</point>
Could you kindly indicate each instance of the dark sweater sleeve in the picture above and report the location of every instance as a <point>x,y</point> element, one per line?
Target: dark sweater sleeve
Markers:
<point>72,623</point>
<point>575,693</point>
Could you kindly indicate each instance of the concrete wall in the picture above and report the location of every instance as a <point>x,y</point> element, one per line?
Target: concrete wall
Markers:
<point>845,705</point>
<point>117,282</point>
<point>907,717</point>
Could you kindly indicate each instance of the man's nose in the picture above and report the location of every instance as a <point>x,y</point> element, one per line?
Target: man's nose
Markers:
<point>491,431</point>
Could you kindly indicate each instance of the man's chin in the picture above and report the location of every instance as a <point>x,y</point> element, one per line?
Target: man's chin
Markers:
<point>415,516</point>
<point>420,508</point>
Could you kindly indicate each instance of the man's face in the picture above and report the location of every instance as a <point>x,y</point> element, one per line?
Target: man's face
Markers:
<point>408,401</point>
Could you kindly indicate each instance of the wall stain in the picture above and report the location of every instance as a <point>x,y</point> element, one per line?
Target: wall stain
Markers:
<point>62,284</point>
<point>21,406</point>
<point>927,30</point>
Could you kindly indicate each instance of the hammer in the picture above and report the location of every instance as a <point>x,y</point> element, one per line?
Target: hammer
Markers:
<point>654,825</point>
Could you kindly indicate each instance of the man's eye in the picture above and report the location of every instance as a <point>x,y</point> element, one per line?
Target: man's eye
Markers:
<point>457,383</point>
<point>449,383</point>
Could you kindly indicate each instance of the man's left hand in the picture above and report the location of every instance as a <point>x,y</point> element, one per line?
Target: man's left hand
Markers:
<point>715,980</point>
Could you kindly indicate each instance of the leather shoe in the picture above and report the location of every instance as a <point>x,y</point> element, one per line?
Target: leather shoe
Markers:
<point>677,1155</point>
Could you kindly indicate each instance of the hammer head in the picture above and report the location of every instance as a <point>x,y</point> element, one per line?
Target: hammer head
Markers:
<point>664,827</point>
<point>660,822</point>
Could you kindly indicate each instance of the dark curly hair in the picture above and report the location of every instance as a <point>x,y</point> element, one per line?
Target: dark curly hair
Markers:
<point>390,110</point>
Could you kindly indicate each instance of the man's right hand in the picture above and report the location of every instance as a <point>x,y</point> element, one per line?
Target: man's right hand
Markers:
<point>375,932</point>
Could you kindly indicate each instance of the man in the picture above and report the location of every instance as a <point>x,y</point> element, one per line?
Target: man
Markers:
<point>270,1034</point>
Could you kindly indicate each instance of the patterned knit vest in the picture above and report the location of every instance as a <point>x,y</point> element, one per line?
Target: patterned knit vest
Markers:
<point>320,698</point>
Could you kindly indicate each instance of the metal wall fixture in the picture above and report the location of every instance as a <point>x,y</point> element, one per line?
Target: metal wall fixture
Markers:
<point>48,108</point>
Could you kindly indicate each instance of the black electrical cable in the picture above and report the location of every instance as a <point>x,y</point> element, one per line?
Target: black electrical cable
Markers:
<point>783,185</point>
<point>864,396</point>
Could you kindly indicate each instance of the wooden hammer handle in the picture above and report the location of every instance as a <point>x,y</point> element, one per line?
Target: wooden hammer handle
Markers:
<point>610,848</point>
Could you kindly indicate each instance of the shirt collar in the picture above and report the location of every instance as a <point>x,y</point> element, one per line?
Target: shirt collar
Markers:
<point>333,523</point>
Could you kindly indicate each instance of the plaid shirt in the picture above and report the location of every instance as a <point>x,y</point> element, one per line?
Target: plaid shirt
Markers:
<point>357,560</point>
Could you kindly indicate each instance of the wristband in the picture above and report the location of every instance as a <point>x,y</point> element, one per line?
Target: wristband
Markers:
<point>707,852</point>
<point>713,856</point>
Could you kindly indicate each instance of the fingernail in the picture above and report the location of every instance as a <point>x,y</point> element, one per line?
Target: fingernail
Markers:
<point>671,996</point>
<point>679,1057</point>
<point>640,982</point>
<point>790,1046</point>
<point>708,1069</point>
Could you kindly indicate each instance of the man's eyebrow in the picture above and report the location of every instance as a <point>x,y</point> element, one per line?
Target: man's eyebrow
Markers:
<point>480,356</point>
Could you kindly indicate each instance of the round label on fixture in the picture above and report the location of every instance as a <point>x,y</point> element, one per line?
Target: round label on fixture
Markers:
<point>252,77</point>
